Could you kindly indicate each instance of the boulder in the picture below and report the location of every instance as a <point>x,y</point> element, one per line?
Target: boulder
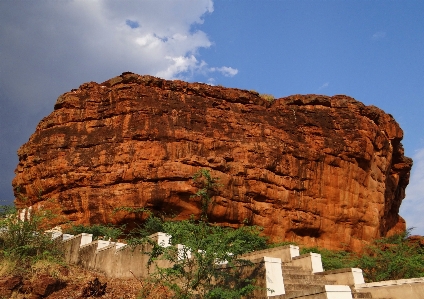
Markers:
<point>318,170</point>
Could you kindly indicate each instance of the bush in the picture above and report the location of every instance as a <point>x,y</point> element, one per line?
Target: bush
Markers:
<point>392,258</point>
<point>194,267</point>
<point>332,259</point>
<point>389,258</point>
<point>24,243</point>
<point>195,270</point>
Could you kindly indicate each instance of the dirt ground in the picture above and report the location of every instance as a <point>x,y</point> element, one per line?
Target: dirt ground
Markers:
<point>73,283</point>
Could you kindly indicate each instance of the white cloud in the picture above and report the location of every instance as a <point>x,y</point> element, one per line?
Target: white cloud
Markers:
<point>412,207</point>
<point>46,43</point>
<point>379,35</point>
<point>180,65</point>
<point>211,81</point>
<point>326,84</point>
<point>225,70</point>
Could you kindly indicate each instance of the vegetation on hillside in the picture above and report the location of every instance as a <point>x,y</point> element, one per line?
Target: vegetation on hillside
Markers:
<point>388,258</point>
<point>24,244</point>
<point>193,271</point>
<point>267,97</point>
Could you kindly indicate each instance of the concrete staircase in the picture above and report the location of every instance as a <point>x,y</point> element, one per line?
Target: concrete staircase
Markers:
<point>303,277</point>
<point>365,295</point>
<point>281,271</point>
<point>302,284</point>
<point>299,283</point>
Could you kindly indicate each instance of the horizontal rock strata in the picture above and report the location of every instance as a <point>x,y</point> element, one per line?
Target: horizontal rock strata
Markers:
<point>318,170</point>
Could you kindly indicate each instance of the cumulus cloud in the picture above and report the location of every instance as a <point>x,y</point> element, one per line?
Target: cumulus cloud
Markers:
<point>80,40</point>
<point>225,70</point>
<point>413,205</point>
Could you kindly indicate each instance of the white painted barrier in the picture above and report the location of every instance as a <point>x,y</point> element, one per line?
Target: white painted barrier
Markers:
<point>310,261</point>
<point>347,276</point>
<point>101,244</point>
<point>338,292</point>
<point>119,245</point>
<point>66,237</point>
<point>274,276</point>
<point>86,239</point>
<point>163,239</point>
<point>183,252</point>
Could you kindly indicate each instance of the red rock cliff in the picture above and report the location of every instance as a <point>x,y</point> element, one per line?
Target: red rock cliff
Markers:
<point>326,171</point>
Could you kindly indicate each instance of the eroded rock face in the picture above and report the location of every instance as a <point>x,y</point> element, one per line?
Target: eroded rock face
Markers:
<point>326,171</point>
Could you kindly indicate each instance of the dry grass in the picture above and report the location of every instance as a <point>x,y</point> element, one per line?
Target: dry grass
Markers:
<point>52,269</point>
<point>149,290</point>
<point>267,97</point>
<point>6,267</point>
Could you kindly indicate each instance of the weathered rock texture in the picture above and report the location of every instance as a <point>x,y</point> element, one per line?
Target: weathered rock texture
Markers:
<point>326,171</point>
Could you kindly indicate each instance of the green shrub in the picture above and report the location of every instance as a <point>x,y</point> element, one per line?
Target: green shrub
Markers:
<point>208,187</point>
<point>206,244</point>
<point>384,259</point>
<point>282,243</point>
<point>26,241</point>
<point>333,259</point>
<point>392,258</point>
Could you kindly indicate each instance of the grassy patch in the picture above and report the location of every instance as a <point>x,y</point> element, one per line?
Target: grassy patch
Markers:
<point>267,97</point>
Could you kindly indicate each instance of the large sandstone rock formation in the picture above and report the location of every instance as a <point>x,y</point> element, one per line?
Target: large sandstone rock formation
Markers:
<point>326,171</point>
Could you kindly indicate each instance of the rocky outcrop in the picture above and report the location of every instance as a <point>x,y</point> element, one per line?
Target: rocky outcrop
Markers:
<point>326,171</point>
<point>42,287</point>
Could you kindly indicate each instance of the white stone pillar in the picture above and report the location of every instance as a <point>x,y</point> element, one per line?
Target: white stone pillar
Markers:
<point>163,239</point>
<point>85,239</point>
<point>310,261</point>
<point>338,292</point>
<point>274,276</point>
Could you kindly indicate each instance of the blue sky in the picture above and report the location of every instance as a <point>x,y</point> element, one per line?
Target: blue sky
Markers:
<point>370,50</point>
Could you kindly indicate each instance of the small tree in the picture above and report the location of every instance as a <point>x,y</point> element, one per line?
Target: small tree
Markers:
<point>25,240</point>
<point>197,269</point>
<point>208,186</point>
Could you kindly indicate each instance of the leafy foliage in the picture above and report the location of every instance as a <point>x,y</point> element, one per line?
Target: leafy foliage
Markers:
<point>208,186</point>
<point>140,234</point>
<point>332,259</point>
<point>195,266</point>
<point>281,243</point>
<point>26,241</point>
<point>392,258</point>
<point>208,264</point>
<point>385,259</point>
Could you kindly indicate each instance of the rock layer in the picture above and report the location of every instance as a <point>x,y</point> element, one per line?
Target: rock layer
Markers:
<point>318,170</point>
